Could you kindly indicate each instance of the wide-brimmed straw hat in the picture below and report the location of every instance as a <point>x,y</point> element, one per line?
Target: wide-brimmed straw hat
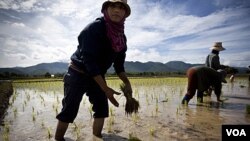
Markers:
<point>124,2</point>
<point>218,46</point>
<point>223,75</point>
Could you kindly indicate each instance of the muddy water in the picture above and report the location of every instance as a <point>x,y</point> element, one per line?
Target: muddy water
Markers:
<point>31,116</point>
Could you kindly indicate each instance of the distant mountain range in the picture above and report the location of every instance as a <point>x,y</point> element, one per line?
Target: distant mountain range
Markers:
<point>60,67</point>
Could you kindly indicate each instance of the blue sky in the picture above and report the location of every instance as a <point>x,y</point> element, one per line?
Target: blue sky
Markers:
<point>43,31</point>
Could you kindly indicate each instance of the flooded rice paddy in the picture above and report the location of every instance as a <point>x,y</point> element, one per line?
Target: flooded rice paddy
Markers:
<point>33,108</point>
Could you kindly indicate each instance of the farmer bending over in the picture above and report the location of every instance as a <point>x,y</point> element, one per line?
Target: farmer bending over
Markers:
<point>200,78</point>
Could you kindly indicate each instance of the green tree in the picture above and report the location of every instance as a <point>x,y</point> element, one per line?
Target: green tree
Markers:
<point>47,75</point>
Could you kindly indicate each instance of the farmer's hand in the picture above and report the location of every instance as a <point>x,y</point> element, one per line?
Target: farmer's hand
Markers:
<point>108,91</point>
<point>110,95</point>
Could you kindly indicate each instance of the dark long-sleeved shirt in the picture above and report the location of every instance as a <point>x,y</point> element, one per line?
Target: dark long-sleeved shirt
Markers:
<point>213,60</point>
<point>94,54</point>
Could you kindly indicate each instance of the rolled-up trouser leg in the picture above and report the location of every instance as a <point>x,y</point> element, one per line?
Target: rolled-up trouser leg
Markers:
<point>71,102</point>
<point>185,100</point>
<point>192,85</point>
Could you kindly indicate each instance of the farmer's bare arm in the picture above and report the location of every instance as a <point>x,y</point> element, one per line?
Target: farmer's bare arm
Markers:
<point>125,80</point>
<point>108,91</point>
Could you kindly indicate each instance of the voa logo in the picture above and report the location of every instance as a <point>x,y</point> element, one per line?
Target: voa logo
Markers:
<point>236,132</point>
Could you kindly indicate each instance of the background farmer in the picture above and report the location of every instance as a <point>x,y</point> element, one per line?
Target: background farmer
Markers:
<point>213,60</point>
<point>101,44</point>
<point>200,78</point>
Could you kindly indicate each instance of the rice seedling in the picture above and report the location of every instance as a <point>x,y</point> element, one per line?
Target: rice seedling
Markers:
<point>6,127</point>
<point>199,100</point>
<point>133,138</point>
<point>55,107</point>
<point>77,130</point>
<point>28,96</point>
<point>42,124</point>
<point>15,112</point>
<point>6,131</point>
<point>84,100</point>
<point>25,103</point>
<point>111,121</point>
<point>152,96</point>
<point>5,137</point>
<point>78,133</point>
<point>42,99</point>
<point>75,126</point>
<point>91,111</point>
<point>132,105</point>
<point>111,111</point>
<point>57,99</point>
<point>156,107</point>
<point>33,116</point>
<point>152,131</point>
<point>136,93</point>
<point>13,98</point>
<point>49,134</point>
<point>23,107</point>
<point>135,117</point>
<point>147,100</point>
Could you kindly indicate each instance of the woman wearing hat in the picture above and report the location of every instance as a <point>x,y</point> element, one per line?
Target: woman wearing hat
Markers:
<point>213,59</point>
<point>200,78</point>
<point>102,43</point>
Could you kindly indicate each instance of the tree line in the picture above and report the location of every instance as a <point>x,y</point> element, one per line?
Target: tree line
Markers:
<point>11,75</point>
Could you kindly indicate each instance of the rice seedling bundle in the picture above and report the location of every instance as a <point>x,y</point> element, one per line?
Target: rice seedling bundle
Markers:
<point>132,105</point>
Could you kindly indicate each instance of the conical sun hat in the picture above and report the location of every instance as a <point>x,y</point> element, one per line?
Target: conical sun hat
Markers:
<point>217,46</point>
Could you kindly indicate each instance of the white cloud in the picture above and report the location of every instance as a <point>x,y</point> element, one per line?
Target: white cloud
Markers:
<point>155,32</point>
<point>185,32</point>
<point>28,4</point>
<point>18,25</point>
<point>144,56</point>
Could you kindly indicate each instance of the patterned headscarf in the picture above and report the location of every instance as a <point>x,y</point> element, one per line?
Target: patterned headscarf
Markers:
<point>115,32</point>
